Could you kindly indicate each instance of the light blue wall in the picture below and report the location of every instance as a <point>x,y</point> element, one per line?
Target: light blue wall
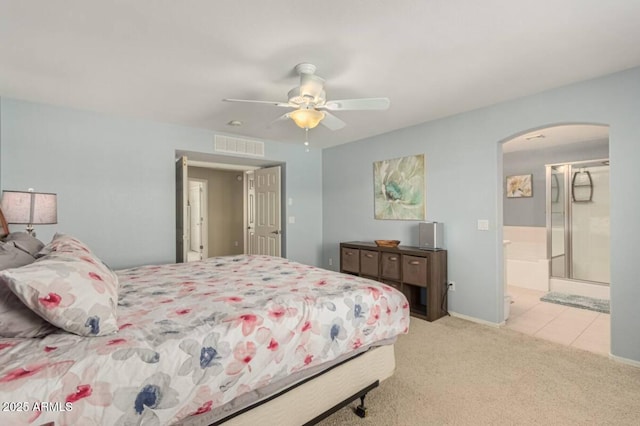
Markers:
<point>464,184</point>
<point>115,179</point>
<point>531,211</point>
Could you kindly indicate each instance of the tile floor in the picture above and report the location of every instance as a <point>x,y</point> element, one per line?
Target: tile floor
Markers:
<point>569,326</point>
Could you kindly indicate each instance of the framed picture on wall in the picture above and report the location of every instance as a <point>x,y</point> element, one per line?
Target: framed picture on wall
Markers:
<point>519,186</point>
<point>399,188</point>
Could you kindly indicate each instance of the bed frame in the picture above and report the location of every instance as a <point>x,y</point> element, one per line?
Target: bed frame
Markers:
<point>314,398</point>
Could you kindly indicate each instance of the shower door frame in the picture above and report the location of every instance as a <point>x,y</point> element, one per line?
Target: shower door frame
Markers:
<point>568,204</point>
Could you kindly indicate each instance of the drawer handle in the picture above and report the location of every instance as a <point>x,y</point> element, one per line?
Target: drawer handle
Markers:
<point>393,259</point>
<point>414,262</point>
<point>349,253</point>
<point>368,255</point>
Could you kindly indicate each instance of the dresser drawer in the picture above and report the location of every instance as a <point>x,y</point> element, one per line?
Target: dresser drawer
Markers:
<point>390,266</point>
<point>414,270</point>
<point>350,260</point>
<point>369,263</point>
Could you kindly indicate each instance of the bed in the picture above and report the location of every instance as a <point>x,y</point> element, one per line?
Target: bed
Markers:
<point>234,340</point>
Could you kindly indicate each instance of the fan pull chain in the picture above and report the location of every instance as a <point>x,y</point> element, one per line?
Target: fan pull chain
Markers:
<point>306,139</point>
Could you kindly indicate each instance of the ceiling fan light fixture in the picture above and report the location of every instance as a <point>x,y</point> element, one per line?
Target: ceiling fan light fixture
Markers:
<point>309,101</point>
<point>306,118</point>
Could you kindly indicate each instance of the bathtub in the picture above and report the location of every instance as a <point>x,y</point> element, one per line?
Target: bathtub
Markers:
<point>526,263</point>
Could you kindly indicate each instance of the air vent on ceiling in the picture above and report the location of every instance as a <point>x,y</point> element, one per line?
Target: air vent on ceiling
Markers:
<point>233,145</point>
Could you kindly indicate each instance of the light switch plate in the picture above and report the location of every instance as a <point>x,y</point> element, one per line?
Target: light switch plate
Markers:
<point>292,219</point>
<point>483,225</point>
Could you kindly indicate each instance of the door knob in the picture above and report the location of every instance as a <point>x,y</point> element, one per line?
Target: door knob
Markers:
<point>277,232</point>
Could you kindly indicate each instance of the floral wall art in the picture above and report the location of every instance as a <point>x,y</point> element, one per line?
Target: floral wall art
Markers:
<point>519,186</point>
<point>399,188</point>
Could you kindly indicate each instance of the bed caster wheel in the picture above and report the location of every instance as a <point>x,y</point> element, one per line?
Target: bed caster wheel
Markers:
<point>361,411</point>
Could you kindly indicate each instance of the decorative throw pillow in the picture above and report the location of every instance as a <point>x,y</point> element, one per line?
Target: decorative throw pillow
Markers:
<point>16,320</point>
<point>25,242</point>
<point>72,289</point>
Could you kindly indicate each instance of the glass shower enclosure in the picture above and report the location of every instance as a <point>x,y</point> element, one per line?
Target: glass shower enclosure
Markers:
<point>578,237</point>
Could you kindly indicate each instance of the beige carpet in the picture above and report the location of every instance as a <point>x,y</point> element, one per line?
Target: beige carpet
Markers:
<point>455,372</point>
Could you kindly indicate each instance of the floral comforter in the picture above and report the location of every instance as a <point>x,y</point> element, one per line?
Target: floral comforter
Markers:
<point>193,337</point>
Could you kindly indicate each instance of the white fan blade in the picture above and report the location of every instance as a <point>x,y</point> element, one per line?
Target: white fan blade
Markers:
<point>358,104</point>
<point>281,118</point>
<point>280,104</point>
<point>332,122</point>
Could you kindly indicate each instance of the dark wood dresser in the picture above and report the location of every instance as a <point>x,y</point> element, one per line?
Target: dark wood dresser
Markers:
<point>420,274</point>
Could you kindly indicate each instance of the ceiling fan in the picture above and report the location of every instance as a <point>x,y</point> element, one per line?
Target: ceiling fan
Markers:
<point>311,105</point>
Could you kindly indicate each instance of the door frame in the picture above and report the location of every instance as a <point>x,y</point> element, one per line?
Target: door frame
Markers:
<point>181,190</point>
<point>249,205</point>
<point>226,162</point>
<point>205,216</point>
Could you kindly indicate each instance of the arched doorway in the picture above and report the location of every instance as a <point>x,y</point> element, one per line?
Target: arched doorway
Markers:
<point>556,233</point>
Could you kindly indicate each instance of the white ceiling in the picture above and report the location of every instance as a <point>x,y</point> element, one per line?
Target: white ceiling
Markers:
<point>175,61</point>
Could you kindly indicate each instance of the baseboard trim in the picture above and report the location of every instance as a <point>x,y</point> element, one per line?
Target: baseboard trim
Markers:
<point>627,361</point>
<point>476,320</point>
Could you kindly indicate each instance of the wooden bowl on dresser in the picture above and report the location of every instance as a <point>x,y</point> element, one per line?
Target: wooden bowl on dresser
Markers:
<point>387,243</point>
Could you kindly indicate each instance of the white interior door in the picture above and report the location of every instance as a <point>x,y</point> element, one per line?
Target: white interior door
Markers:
<point>268,231</point>
<point>182,217</point>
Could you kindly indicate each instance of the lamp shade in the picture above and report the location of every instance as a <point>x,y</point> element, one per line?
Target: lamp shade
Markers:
<point>307,118</point>
<point>32,208</point>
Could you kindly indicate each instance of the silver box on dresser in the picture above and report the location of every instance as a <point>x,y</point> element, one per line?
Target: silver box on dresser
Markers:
<point>431,235</point>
